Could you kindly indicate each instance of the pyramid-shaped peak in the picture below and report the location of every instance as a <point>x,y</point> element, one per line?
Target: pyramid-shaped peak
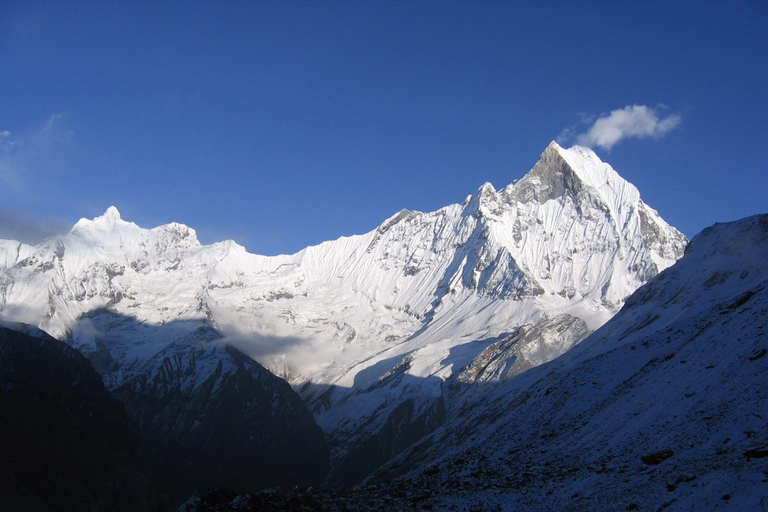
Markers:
<point>485,195</point>
<point>485,189</point>
<point>550,178</point>
<point>582,160</point>
<point>110,218</point>
<point>561,171</point>
<point>553,146</point>
<point>593,171</point>
<point>586,152</point>
<point>112,213</point>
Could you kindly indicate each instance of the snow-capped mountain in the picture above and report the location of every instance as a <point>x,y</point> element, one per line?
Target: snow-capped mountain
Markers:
<point>664,407</point>
<point>369,328</point>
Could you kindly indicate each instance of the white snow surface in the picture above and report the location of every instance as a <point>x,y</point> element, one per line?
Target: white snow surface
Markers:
<point>679,371</point>
<point>570,238</point>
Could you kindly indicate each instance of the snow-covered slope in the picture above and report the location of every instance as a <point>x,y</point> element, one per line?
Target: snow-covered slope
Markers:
<point>354,322</point>
<point>665,407</point>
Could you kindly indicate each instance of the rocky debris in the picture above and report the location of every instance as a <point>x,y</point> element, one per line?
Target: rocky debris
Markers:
<point>394,496</point>
<point>657,457</point>
<point>757,453</point>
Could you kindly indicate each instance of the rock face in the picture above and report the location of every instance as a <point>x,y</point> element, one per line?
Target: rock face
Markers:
<point>513,277</point>
<point>527,348</point>
<point>66,443</point>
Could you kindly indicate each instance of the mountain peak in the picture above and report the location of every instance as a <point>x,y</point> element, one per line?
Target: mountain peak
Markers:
<point>552,177</point>
<point>110,230</point>
<point>109,219</point>
<point>111,213</point>
<point>486,190</point>
<point>596,173</point>
<point>554,146</point>
<point>485,198</point>
<point>566,172</point>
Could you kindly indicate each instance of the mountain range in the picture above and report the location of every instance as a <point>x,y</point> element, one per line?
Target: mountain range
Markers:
<point>663,408</point>
<point>396,343</point>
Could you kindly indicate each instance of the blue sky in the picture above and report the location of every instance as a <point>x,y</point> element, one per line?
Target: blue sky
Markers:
<point>284,124</point>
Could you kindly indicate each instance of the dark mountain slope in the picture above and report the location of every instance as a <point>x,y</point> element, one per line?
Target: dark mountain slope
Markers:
<point>211,416</point>
<point>66,443</point>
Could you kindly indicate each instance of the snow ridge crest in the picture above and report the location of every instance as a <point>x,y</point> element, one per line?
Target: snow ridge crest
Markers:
<point>570,239</point>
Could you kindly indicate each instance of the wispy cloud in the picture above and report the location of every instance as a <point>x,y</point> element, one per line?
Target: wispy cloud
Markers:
<point>277,346</point>
<point>632,121</point>
<point>29,156</point>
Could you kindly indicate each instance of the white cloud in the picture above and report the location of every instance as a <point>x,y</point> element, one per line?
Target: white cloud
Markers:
<point>632,121</point>
<point>15,312</point>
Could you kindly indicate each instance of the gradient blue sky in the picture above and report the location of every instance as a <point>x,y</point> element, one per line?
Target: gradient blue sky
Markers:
<point>284,124</point>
